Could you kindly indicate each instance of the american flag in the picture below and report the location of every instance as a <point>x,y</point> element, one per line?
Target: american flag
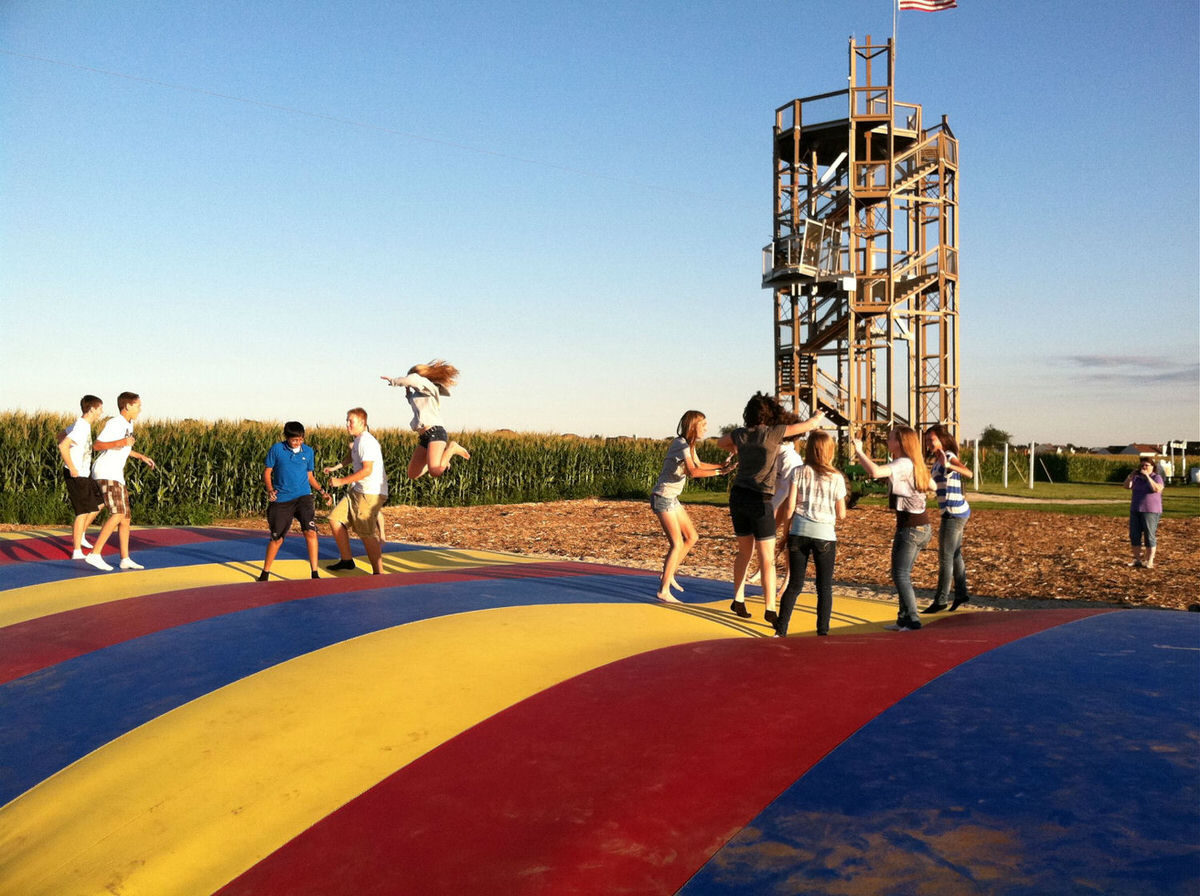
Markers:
<point>928,5</point>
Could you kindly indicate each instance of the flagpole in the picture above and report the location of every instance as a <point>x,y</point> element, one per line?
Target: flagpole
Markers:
<point>895,8</point>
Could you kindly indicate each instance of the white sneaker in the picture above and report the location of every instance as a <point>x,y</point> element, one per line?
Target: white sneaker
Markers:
<point>97,561</point>
<point>129,563</point>
<point>79,555</point>
<point>84,543</point>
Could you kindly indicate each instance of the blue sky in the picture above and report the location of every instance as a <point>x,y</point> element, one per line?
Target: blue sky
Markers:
<point>255,209</point>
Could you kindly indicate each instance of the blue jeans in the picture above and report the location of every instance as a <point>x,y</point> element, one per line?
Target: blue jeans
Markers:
<point>905,546</point>
<point>950,560</point>
<point>823,553</point>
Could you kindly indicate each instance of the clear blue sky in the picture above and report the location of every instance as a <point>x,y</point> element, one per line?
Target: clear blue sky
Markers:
<point>254,208</point>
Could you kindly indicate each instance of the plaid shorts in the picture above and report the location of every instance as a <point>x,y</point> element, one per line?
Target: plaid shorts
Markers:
<point>116,499</point>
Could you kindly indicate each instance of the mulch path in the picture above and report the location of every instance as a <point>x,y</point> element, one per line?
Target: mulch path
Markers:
<point>1014,558</point>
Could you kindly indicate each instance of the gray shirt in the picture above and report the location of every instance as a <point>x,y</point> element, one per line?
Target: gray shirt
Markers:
<point>674,471</point>
<point>756,448</point>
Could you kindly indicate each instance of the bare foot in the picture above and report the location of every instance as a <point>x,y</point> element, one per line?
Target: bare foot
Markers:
<point>675,585</point>
<point>667,597</point>
<point>456,450</point>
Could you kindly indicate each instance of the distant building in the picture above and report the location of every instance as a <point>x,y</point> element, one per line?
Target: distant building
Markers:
<point>1139,448</point>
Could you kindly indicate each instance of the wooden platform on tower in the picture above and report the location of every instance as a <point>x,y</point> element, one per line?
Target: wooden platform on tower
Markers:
<point>863,265</point>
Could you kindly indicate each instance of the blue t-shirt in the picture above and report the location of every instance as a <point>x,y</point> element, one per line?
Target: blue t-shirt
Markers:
<point>289,470</point>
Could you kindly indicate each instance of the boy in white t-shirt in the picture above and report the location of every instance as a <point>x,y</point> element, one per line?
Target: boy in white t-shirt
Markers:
<point>115,446</point>
<point>360,509</point>
<point>75,446</point>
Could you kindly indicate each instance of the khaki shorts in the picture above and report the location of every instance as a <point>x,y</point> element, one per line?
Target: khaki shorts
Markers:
<point>360,513</point>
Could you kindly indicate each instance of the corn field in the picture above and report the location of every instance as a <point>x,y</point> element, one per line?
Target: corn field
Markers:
<point>213,470</point>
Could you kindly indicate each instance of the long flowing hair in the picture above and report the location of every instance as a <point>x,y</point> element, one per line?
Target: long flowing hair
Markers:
<point>910,447</point>
<point>438,372</point>
<point>689,427</point>
<point>818,453</point>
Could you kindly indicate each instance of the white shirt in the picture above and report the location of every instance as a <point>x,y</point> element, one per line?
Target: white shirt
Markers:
<point>817,495</point>
<point>424,396</point>
<point>362,449</point>
<point>80,450</point>
<point>787,463</point>
<point>903,486</point>
<point>111,464</point>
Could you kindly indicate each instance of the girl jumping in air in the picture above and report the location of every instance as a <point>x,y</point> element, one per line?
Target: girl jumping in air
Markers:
<point>424,385</point>
<point>908,481</point>
<point>680,464</point>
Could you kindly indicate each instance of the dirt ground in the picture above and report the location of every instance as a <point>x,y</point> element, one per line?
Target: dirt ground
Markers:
<point>1014,558</point>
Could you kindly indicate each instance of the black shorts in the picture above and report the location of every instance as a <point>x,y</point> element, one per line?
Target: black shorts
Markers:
<point>432,434</point>
<point>281,513</point>
<point>751,513</point>
<point>83,492</point>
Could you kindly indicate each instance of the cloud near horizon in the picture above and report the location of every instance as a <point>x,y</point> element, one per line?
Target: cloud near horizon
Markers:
<point>1135,369</point>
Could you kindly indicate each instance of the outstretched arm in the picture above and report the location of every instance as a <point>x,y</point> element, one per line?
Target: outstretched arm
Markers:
<point>147,461</point>
<point>952,463</point>
<point>816,421</point>
<point>874,470</point>
<point>698,469</point>
<point>367,467</point>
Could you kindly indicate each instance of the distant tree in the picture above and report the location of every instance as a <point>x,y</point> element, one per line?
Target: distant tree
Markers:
<point>728,428</point>
<point>991,437</point>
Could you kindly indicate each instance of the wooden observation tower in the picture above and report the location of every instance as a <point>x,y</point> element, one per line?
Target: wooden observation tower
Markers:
<point>864,260</point>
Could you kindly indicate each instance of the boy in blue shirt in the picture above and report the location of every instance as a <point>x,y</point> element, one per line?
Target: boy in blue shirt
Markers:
<point>289,480</point>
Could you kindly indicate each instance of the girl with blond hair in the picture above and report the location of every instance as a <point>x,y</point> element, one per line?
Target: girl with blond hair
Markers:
<point>680,464</point>
<point>908,481</point>
<point>424,385</point>
<point>818,493</point>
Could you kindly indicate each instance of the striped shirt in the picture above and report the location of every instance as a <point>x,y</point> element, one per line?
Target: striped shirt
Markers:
<point>949,489</point>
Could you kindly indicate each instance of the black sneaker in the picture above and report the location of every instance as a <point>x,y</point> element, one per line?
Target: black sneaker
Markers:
<point>935,607</point>
<point>341,566</point>
<point>958,602</point>
<point>739,607</point>
<point>771,616</point>
<point>911,626</point>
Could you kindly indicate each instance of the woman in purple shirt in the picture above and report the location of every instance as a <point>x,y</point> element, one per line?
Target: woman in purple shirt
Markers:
<point>1145,507</point>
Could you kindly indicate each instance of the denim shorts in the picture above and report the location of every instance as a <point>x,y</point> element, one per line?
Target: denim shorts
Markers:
<point>664,504</point>
<point>432,434</point>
